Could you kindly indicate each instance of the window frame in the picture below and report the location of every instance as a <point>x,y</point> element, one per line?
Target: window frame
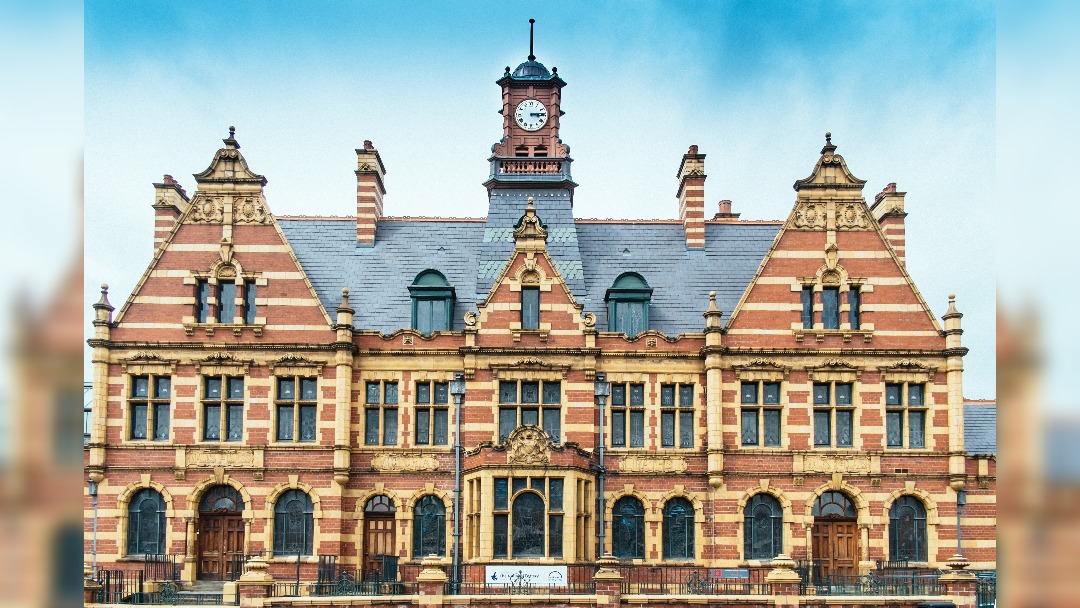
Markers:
<point>133,532</point>
<point>385,411</point>
<point>152,404</point>
<point>224,404</point>
<point>758,407</point>
<point>432,286</point>
<point>432,408</point>
<point>920,529</point>
<point>906,411</point>
<point>530,296</point>
<point>630,413</point>
<point>676,414</point>
<point>689,548</point>
<point>833,407</point>
<point>542,405</point>
<point>554,513</point>
<point>775,525</point>
<point>628,289</point>
<point>637,525</point>
<point>298,404</point>
<point>419,527</point>
<point>282,525</point>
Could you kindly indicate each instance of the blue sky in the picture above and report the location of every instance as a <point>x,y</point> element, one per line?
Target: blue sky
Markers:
<point>907,89</point>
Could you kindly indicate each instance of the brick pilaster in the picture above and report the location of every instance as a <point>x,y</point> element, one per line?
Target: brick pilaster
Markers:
<point>369,192</point>
<point>959,585</point>
<point>256,583</point>
<point>784,582</point>
<point>691,196</point>
<point>608,583</point>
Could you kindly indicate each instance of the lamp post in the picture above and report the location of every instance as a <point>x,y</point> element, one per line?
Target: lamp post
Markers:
<point>961,500</point>
<point>601,390</point>
<point>457,389</point>
<point>92,489</point>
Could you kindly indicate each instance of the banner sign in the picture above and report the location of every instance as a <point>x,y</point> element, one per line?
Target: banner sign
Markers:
<point>739,574</point>
<point>520,576</point>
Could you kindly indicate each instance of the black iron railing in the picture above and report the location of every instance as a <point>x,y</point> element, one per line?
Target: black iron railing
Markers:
<point>985,588</point>
<point>120,586</point>
<point>347,582</point>
<point>161,566</point>
<point>878,584</point>
<point>691,580</point>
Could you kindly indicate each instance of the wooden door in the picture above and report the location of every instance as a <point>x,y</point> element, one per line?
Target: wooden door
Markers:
<point>836,546</point>
<point>221,539</point>
<point>378,540</point>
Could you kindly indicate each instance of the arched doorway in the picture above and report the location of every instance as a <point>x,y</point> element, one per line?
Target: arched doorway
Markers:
<point>836,534</point>
<point>221,534</point>
<point>379,538</point>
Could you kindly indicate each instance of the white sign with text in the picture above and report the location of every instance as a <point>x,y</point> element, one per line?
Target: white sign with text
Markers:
<point>520,576</point>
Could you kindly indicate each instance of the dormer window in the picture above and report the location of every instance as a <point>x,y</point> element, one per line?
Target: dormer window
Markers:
<point>432,302</point>
<point>628,304</point>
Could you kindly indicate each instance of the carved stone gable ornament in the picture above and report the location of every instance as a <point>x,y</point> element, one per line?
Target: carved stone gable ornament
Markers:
<point>528,445</point>
<point>851,216</point>
<point>809,216</point>
<point>250,210</point>
<point>208,210</point>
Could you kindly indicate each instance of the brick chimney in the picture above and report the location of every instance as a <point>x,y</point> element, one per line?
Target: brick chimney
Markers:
<point>888,210</point>
<point>724,212</point>
<point>692,197</point>
<point>170,201</point>
<point>369,193</point>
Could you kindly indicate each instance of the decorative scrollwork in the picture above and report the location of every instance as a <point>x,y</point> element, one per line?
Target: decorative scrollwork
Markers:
<point>208,210</point>
<point>809,216</point>
<point>250,210</point>
<point>168,593</point>
<point>851,216</point>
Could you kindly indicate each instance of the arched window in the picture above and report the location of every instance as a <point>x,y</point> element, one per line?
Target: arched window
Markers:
<point>146,523</point>
<point>628,528</point>
<point>379,504</point>
<point>528,525</point>
<point>294,523</point>
<point>833,505</point>
<point>429,527</point>
<point>907,530</point>
<point>628,304</point>
<point>763,531</point>
<point>432,302</point>
<point>678,529</point>
<point>221,499</point>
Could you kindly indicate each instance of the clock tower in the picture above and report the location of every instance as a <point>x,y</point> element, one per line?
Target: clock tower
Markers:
<point>530,161</point>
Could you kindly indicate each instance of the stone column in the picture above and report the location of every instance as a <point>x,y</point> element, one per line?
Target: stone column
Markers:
<point>960,585</point>
<point>432,582</point>
<point>784,582</point>
<point>188,574</point>
<point>608,583</point>
<point>255,584</point>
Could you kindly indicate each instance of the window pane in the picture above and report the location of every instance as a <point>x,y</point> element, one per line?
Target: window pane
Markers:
<point>161,421</point>
<point>678,530</point>
<point>508,391</point>
<point>285,423</point>
<point>138,421</point>
<point>140,386</point>
<point>916,422</point>
<point>830,308</point>
<point>552,392</point>
<point>226,302</point>
<point>373,393</point>
<point>772,428</point>
<point>618,394</point>
<point>750,427</point>
<point>530,416</point>
<point>530,308</point>
<point>213,388</point>
<point>844,430</point>
<point>308,390</point>
<point>808,307</point>
<point>202,308</point>
<point>236,388</point>
<point>212,422</point>
<point>307,423</point>
<point>686,395</point>
<point>442,392</point>
<point>555,536</point>
<point>507,422</point>
<point>286,389</point>
<point>440,427</point>
<point>667,429</point>
<point>843,393</point>
<point>892,394</point>
<point>628,529</point>
<point>251,291</point>
<point>530,392</point>
<point>821,394</point>
<point>423,393</point>
<point>915,394</point>
<point>637,429</point>
<point>555,485</point>
<point>749,392</point>
<point>390,426</point>
<point>894,434</point>
<point>423,426</point>
<point>552,425</point>
<point>501,493</point>
<point>390,393</point>
<point>499,536</point>
<point>235,423</point>
<point>371,426</point>
<point>439,320</point>
<point>771,393</point>
<point>518,484</point>
<point>161,388</point>
<point>618,428</point>
<point>667,395</point>
<point>853,306</point>
<point>686,429</point>
<point>423,316</point>
<point>822,428</point>
<point>537,483</point>
<point>637,394</point>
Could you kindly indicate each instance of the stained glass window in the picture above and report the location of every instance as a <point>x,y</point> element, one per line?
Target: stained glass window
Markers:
<point>678,529</point>
<point>294,524</point>
<point>555,494</point>
<point>676,418</point>
<point>429,527</point>
<point>146,523</point>
<point>628,528</point>
<point>381,400</point>
<point>905,406</point>
<point>221,498</point>
<point>528,525</point>
<point>763,527</point>
<point>833,411</point>
<point>833,504</point>
<point>760,420</point>
<point>907,530</point>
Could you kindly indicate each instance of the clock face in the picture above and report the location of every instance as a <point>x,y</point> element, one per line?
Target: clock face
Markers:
<point>531,115</point>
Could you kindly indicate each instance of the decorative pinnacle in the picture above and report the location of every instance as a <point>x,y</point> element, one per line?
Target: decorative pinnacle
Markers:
<point>829,147</point>
<point>828,137</point>
<point>104,301</point>
<point>712,304</point>
<point>344,306</point>
<point>232,132</point>
<point>530,205</point>
<point>531,56</point>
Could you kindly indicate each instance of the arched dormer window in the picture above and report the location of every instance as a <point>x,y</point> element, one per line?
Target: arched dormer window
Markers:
<point>628,304</point>
<point>432,302</point>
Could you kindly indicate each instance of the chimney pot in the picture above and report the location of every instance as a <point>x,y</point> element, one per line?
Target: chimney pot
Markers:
<point>725,206</point>
<point>693,149</point>
<point>368,145</point>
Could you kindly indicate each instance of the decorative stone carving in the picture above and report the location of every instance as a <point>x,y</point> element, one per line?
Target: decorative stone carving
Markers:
<point>528,445</point>
<point>652,464</point>
<point>250,210</point>
<point>210,458</point>
<point>402,463</point>
<point>208,211</point>
<point>809,216</point>
<point>470,318</point>
<point>219,357</point>
<point>590,319</point>
<point>846,463</point>
<point>851,216</point>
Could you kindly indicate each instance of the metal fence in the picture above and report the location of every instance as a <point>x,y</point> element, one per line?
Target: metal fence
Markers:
<point>161,566</point>
<point>346,582</point>
<point>986,588</point>
<point>877,584</point>
<point>692,580</point>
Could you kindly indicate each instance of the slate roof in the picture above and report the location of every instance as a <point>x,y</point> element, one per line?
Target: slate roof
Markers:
<point>980,428</point>
<point>471,253</point>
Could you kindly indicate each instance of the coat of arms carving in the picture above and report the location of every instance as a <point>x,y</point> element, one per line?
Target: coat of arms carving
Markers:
<point>528,445</point>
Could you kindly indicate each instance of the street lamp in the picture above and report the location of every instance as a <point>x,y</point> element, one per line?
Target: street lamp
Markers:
<point>92,489</point>
<point>457,390</point>
<point>601,390</point>
<point>961,500</point>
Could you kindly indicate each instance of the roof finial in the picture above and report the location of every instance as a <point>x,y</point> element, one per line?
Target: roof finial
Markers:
<point>531,56</point>
<point>232,132</point>
<point>828,137</point>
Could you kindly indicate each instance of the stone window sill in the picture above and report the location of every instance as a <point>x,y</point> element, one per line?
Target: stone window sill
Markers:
<point>820,334</point>
<point>237,328</point>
